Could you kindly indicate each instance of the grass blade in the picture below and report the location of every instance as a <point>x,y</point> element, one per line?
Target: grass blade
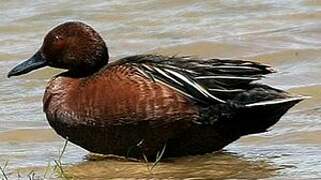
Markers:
<point>159,156</point>
<point>2,169</point>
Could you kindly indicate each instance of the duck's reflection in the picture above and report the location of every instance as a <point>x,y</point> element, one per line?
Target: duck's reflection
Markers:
<point>208,166</point>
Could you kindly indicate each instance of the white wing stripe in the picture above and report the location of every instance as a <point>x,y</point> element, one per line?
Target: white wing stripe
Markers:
<point>160,71</point>
<point>227,90</point>
<point>147,67</point>
<point>227,77</point>
<point>277,101</point>
<point>194,85</point>
<point>234,67</point>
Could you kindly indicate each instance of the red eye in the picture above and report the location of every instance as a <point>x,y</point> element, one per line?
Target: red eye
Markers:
<point>59,42</point>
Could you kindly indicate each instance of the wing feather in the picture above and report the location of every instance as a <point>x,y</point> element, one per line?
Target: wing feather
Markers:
<point>208,81</point>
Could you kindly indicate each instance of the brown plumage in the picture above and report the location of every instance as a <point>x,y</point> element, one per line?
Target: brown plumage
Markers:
<point>136,105</point>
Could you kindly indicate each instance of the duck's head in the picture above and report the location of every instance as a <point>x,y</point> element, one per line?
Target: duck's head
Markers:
<point>72,45</point>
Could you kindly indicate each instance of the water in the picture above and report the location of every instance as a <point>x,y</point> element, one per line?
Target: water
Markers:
<point>284,33</point>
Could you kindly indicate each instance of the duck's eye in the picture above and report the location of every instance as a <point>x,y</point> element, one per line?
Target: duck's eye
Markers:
<point>57,38</point>
<point>59,42</point>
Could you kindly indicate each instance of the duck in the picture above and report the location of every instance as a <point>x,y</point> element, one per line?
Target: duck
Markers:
<point>141,105</point>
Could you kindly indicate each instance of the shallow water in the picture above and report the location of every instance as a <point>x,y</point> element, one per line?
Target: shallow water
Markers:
<point>284,33</point>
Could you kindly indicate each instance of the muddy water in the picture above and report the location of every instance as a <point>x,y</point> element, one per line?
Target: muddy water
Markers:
<point>284,33</point>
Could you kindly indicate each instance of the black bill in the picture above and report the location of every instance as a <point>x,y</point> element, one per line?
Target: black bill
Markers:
<point>35,62</point>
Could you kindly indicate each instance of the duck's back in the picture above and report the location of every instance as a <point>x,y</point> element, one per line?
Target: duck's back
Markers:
<point>194,106</point>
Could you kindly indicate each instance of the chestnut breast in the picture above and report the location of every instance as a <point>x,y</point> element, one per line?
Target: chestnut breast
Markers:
<point>116,95</point>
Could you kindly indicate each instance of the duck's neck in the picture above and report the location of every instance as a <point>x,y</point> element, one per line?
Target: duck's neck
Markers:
<point>81,73</point>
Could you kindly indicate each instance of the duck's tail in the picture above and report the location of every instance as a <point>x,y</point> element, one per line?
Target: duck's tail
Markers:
<point>258,117</point>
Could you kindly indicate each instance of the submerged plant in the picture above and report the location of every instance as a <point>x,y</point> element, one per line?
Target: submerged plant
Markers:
<point>159,156</point>
<point>2,169</point>
<point>58,168</point>
<point>51,172</point>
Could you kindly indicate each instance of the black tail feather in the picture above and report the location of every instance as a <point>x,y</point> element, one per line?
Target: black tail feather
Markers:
<point>257,118</point>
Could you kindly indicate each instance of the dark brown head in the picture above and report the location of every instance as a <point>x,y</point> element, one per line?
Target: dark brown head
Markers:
<point>72,45</point>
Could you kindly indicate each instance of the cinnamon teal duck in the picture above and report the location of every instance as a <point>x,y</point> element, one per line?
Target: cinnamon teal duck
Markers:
<point>139,104</point>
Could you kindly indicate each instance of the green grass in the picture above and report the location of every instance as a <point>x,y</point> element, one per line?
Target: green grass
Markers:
<point>52,171</point>
<point>56,170</point>
<point>3,171</point>
<point>158,158</point>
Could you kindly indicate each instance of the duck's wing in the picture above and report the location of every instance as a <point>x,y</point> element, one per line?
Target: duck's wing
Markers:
<point>207,81</point>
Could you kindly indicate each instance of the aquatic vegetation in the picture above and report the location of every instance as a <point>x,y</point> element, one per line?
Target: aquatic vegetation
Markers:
<point>54,170</point>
